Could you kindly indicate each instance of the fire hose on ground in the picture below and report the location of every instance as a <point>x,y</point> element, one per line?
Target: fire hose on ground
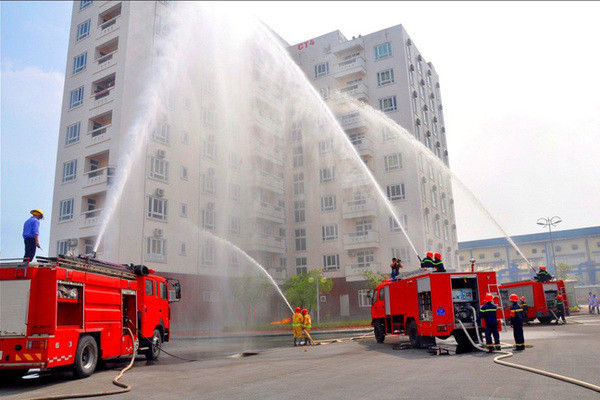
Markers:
<point>508,354</point>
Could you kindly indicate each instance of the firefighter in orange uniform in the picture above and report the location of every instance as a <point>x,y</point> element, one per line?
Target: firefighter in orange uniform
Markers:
<point>297,321</point>
<point>516,320</point>
<point>306,325</point>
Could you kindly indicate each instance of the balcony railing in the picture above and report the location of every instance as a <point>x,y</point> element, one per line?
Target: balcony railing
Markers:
<point>103,96</point>
<point>279,276</point>
<point>352,66</point>
<point>109,26</point>
<point>263,242</point>
<point>350,45</point>
<point>358,91</point>
<point>359,208</point>
<point>92,217</point>
<point>106,60</point>
<point>364,147</point>
<point>270,212</point>
<point>270,152</point>
<point>100,176</point>
<point>99,135</point>
<point>351,121</point>
<point>355,272</point>
<point>361,240</point>
<point>352,180</point>
<point>270,182</point>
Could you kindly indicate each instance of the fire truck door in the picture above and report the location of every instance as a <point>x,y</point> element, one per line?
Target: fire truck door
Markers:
<point>386,298</point>
<point>129,320</point>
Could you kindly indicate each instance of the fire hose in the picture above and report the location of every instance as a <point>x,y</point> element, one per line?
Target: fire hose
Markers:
<point>125,387</point>
<point>507,354</point>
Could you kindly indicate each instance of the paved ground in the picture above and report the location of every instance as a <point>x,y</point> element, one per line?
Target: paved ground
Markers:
<point>360,369</point>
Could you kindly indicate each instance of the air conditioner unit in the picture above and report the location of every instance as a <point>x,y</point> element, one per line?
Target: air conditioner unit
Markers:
<point>210,206</point>
<point>161,153</point>
<point>159,232</point>
<point>72,242</point>
<point>211,171</point>
<point>160,192</point>
<point>351,253</point>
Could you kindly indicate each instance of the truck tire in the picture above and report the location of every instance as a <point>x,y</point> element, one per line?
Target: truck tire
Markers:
<point>412,334</point>
<point>86,357</point>
<point>544,320</point>
<point>154,343</point>
<point>379,330</point>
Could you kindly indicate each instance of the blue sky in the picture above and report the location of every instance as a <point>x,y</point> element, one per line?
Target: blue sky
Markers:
<point>519,83</point>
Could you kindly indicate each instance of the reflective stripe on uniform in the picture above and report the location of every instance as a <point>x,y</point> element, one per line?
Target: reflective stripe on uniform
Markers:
<point>489,309</point>
<point>297,325</point>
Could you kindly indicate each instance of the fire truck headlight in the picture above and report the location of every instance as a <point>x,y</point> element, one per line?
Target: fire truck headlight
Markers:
<point>37,344</point>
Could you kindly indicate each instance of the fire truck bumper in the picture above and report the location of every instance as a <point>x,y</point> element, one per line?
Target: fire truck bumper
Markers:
<point>41,365</point>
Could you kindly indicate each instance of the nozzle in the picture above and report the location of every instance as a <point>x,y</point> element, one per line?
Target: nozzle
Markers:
<point>93,255</point>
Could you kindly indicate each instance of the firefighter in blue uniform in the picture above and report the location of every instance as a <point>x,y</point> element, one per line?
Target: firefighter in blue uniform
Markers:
<point>525,307</point>
<point>542,275</point>
<point>560,309</point>
<point>427,262</point>
<point>516,320</point>
<point>488,313</point>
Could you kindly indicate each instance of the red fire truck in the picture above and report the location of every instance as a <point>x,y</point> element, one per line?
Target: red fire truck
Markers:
<point>426,306</point>
<point>71,312</point>
<point>539,296</point>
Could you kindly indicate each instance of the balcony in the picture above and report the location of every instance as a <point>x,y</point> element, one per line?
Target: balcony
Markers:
<point>270,212</point>
<point>108,21</point>
<point>278,275</point>
<point>361,240</point>
<point>353,66</point>
<point>270,182</point>
<point>99,135</point>
<point>106,61</point>
<point>100,176</point>
<point>263,242</point>
<point>352,180</point>
<point>364,147</point>
<point>92,217</point>
<point>359,91</point>
<point>348,46</point>
<point>359,208</point>
<point>269,152</point>
<point>354,272</point>
<point>351,121</point>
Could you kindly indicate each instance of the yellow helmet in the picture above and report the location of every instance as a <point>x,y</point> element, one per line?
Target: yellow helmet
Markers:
<point>38,211</point>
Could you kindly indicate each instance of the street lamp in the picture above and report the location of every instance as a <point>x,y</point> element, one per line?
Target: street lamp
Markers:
<point>323,280</point>
<point>550,222</point>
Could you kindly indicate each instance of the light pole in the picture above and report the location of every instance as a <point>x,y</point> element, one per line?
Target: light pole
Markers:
<point>310,279</point>
<point>550,222</point>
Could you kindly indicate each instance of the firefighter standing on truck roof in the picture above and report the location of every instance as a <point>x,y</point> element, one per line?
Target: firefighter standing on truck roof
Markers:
<point>525,307</point>
<point>488,313</point>
<point>427,262</point>
<point>306,325</point>
<point>297,321</point>
<point>516,320</point>
<point>543,275</point>
<point>438,264</point>
<point>31,233</point>
<point>560,309</point>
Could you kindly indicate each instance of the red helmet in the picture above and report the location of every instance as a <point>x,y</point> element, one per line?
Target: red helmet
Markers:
<point>297,309</point>
<point>523,298</point>
<point>489,297</point>
<point>514,297</point>
<point>542,268</point>
<point>559,296</point>
<point>304,311</point>
<point>438,256</point>
<point>430,255</point>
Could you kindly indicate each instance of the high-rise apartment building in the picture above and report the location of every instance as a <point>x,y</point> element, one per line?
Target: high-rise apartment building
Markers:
<point>198,180</point>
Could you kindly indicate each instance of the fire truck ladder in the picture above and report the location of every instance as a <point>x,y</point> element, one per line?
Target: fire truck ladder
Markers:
<point>87,264</point>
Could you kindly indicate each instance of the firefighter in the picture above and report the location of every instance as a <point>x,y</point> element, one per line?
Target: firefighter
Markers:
<point>488,313</point>
<point>438,264</point>
<point>395,266</point>
<point>543,275</point>
<point>525,307</point>
<point>297,321</point>
<point>306,325</point>
<point>516,321</point>
<point>31,233</point>
<point>560,309</point>
<point>427,262</point>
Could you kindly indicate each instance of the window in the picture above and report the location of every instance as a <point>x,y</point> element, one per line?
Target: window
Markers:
<point>327,174</point>
<point>299,211</point>
<point>208,184</point>
<point>183,210</point>
<point>388,104</point>
<point>574,247</point>
<point>297,157</point>
<point>301,266</point>
<point>79,63</point>
<point>497,255</point>
<point>363,298</point>
<point>438,228</point>
<point>209,149</point>
<point>159,169</point>
<point>394,227</point>
<point>208,254</point>
<point>76,98</point>
<point>387,135</point>
<point>428,78</point>
<point>149,288</point>
<point>62,247</point>
<point>208,220</point>
<point>443,202</point>
<point>392,162</point>
<point>418,133</point>
<point>396,192</point>
<point>156,249</point>
<point>65,210</point>
<point>234,261</point>
<point>329,232</point>
<point>331,262</point>
<point>423,191</point>
<point>364,258</point>
<point>422,92</point>
<point>83,30</point>
<point>157,208</point>
<point>297,131</point>
<point>558,248</point>
<point>324,92</point>
<point>415,106</point>
<point>209,297</point>
<point>300,236</point>
<point>534,251</point>
<point>419,68</point>
<point>408,55</point>
<point>84,3</point>
<point>182,248</point>
<point>434,198</point>
<point>69,171</point>
<point>73,133</point>
<point>363,227</point>
<point>481,256</point>
<point>184,173</point>
<point>383,51</point>
<point>321,69</point>
<point>411,77</point>
<point>235,225</point>
<point>328,203</point>
<point>425,117</point>
<point>162,133</point>
<point>299,183</point>
<point>234,191</point>
<point>447,233</point>
<point>427,223</point>
<point>385,77</point>
<point>325,146</point>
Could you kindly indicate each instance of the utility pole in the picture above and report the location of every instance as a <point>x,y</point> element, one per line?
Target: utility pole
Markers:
<point>550,222</point>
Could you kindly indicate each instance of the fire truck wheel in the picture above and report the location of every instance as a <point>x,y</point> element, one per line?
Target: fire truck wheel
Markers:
<point>86,357</point>
<point>154,349</point>
<point>545,320</point>
<point>379,331</point>
<point>412,334</point>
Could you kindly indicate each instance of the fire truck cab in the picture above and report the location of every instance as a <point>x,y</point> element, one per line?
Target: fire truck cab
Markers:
<point>71,312</point>
<point>426,306</point>
<point>539,296</point>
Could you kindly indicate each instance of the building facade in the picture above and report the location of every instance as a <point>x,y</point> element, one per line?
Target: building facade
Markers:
<point>579,249</point>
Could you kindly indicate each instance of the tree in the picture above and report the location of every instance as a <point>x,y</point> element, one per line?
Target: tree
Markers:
<point>562,270</point>
<point>301,290</point>
<point>373,279</point>
<point>248,292</point>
